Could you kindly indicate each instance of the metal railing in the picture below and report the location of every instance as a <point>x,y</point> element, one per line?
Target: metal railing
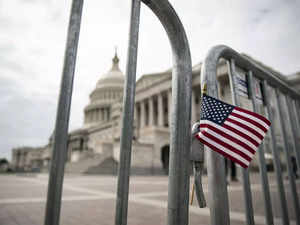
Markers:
<point>178,189</point>
<point>218,196</point>
<point>178,197</point>
<point>59,153</point>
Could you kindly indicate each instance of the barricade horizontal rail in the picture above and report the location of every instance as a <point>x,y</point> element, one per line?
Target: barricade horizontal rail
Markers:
<point>222,51</point>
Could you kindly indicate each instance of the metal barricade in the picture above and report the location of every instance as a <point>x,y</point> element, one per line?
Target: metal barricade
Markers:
<point>178,191</point>
<point>218,195</point>
<point>178,188</point>
<point>178,197</point>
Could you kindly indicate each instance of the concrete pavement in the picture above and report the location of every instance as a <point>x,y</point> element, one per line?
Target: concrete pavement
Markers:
<point>90,200</point>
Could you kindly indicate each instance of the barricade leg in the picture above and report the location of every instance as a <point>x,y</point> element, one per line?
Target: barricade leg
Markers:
<point>288,156</point>
<point>127,118</point>
<point>276,160</point>
<point>59,153</point>
<point>218,195</point>
<point>293,121</point>
<point>297,110</point>
<point>261,160</point>
<point>245,172</point>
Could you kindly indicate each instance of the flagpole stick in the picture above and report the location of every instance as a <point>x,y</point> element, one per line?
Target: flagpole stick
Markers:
<point>192,197</point>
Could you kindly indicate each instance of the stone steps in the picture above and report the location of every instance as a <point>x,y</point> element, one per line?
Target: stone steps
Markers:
<point>84,164</point>
<point>108,166</point>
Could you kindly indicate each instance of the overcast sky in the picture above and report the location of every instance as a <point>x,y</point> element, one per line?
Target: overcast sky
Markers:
<point>33,34</point>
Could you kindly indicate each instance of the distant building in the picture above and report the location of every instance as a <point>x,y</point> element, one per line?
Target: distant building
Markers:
<point>29,158</point>
<point>95,147</point>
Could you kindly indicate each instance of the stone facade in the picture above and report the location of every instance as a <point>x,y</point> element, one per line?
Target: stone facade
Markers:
<point>99,137</point>
<point>28,158</point>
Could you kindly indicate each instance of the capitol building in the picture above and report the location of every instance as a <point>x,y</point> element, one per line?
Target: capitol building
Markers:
<point>95,147</point>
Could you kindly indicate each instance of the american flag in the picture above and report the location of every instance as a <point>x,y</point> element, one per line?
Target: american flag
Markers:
<point>231,131</point>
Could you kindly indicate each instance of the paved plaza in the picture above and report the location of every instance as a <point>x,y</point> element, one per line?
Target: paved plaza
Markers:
<point>90,200</point>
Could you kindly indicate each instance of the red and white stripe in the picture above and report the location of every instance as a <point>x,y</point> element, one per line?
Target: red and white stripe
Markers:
<point>239,136</point>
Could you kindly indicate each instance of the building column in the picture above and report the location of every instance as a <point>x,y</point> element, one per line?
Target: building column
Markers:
<point>151,111</point>
<point>169,107</point>
<point>160,110</point>
<point>24,160</point>
<point>102,114</point>
<point>136,116</point>
<point>143,114</point>
<point>92,115</point>
<point>108,114</point>
<point>105,115</point>
<point>85,118</point>
<point>194,109</point>
<point>136,122</point>
<point>18,160</point>
<point>97,115</point>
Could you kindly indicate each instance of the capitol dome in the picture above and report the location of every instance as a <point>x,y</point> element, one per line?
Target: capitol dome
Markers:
<point>114,77</point>
<point>109,89</point>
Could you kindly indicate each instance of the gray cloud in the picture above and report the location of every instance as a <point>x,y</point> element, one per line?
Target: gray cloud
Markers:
<point>25,120</point>
<point>11,65</point>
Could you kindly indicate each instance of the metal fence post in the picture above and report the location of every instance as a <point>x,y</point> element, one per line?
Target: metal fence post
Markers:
<point>127,117</point>
<point>218,195</point>
<point>276,160</point>
<point>288,156</point>
<point>293,121</point>
<point>62,118</point>
<point>261,161</point>
<point>245,172</point>
<point>178,188</point>
<point>178,195</point>
<point>297,110</point>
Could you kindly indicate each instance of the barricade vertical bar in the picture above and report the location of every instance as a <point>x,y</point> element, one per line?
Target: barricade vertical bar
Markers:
<point>288,156</point>
<point>218,195</point>
<point>295,128</point>
<point>297,109</point>
<point>261,159</point>
<point>178,188</point>
<point>62,118</point>
<point>297,116</point>
<point>276,160</point>
<point>127,118</point>
<point>296,104</point>
<point>245,172</point>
